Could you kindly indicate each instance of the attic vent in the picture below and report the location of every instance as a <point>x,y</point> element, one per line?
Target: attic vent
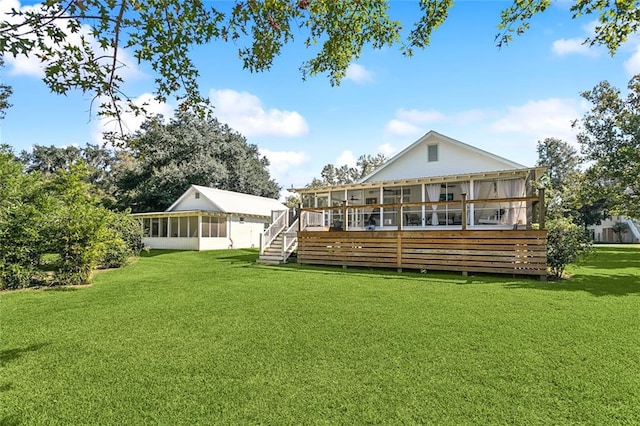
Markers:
<point>197,195</point>
<point>432,153</point>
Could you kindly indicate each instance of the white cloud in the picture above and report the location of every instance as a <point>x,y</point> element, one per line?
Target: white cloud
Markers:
<point>541,118</point>
<point>563,47</point>
<point>359,74</point>
<point>287,167</point>
<point>417,116</point>
<point>130,121</point>
<point>632,65</point>
<point>244,112</point>
<point>32,66</point>
<point>387,149</point>
<point>401,128</point>
<point>347,158</point>
<point>408,122</point>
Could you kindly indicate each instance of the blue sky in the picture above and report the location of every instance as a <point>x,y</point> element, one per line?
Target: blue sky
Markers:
<point>462,85</point>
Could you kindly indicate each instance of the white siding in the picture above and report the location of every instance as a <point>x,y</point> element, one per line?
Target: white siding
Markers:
<point>247,234</point>
<point>185,243</point>
<point>453,159</point>
<point>215,243</point>
<point>190,202</point>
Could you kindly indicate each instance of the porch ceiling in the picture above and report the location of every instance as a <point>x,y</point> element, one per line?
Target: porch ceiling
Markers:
<point>500,174</point>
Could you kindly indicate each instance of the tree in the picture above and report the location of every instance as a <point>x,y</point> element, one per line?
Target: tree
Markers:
<point>610,140</point>
<point>81,42</point>
<point>104,166</point>
<point>5,93</point>
<point>566,243</point>
<point>167,158</point>
<point>342,175</point>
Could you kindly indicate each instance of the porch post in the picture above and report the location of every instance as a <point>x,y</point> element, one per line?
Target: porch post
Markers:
<point>299,217</point>
<point>541,206</point>
<point>464,211</point>
<point>345,221</point>
<point>400,213</point>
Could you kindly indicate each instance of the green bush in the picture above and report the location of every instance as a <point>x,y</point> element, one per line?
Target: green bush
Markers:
<point>566,243</point>
<point>124,240</point>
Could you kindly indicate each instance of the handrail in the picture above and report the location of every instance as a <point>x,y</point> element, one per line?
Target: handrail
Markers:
<point>634,229</point>
<point>270,234</point>
<point>306,218</point>
<point>290,235</point>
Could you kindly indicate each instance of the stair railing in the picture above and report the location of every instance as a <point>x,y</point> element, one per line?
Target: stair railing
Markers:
<point>289,240</point>
<point>634,229</point>
<point>278,224</point>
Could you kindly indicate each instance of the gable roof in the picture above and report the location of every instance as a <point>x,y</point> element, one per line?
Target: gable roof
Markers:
<point>503,162</point>
<point>232,202</point>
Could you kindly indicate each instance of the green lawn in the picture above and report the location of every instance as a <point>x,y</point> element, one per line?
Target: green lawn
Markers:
<point>211,338</point>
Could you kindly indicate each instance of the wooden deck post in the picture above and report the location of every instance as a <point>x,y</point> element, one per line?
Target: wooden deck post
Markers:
<point>345,220</point>
<point>399,213</point>
<point>464,211</point>
<point>299,216</point>
<point>541,207</point>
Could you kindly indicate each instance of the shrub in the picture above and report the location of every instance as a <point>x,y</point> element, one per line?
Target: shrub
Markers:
<point>123,240</point>
<point>566,243</point>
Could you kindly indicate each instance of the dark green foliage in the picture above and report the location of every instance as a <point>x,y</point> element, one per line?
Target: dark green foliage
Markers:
<point>611,142</point>
<point>24,208</point>
<point>123,240</point>
<point>57,215</point>
<point>5,93</point>
<point>566,243</point>
<point>167,158</point>
<point>103,166</point>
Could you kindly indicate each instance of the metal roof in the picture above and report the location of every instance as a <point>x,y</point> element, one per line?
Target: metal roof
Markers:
<point>234,202</point>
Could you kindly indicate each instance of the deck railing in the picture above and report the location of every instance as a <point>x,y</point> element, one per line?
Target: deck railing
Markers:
<point>513,211</point>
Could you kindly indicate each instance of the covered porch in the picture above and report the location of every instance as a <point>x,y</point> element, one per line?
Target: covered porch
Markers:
<point>496,200</point>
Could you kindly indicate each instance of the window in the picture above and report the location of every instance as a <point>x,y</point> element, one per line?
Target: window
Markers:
<point>173,223</point>
<point>184,227</point>
<point>214,227</point>
<point>146,227</point>
<point>193,226</point>
<point>197,195</point>
<point>432,153</point>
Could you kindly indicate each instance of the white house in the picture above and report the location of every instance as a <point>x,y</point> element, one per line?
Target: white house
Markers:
<point>208,219</point>
<point>603,233</point>
<point>428,178</point>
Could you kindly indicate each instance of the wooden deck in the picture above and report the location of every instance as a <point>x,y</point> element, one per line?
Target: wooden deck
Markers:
<point>521,252</point>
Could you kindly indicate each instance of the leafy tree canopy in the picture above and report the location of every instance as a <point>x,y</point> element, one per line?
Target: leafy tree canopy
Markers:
<point>81,42</point>
<point>5,93</point>
<point>610,139</point>
<point>167,158</point>
<point>342,175</point>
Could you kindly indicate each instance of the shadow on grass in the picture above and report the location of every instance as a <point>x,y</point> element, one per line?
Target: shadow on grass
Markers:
<point>10,421</point>
<point>597,285</point>
<point>7,355</point>
<point>157,252</point>
<point>240,256</point>
<point>407,274</point>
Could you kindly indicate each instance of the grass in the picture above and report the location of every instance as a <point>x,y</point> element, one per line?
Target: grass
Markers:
<point>212,338</point>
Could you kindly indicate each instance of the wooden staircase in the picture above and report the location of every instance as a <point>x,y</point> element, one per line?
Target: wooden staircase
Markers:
<point>278,241</point>
<point>272,255</point>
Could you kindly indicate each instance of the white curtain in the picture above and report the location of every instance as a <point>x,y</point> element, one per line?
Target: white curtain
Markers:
<point>433,191</point>
<point>512,188</point>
